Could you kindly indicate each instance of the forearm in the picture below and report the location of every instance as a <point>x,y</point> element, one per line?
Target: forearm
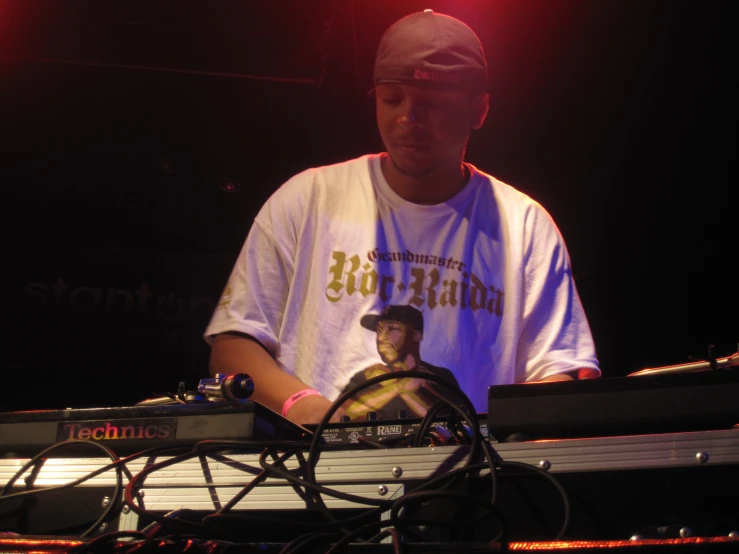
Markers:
<point>575,375</point>
<point>557,377</point>
<point>233,354</point>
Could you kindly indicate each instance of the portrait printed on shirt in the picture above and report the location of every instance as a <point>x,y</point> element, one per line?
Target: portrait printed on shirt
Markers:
<point>399,331</point>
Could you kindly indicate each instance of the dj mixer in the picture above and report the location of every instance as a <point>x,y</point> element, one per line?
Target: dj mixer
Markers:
<point>645,459</point>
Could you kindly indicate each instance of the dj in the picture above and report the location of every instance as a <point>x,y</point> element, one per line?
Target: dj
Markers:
<point>415,226</point>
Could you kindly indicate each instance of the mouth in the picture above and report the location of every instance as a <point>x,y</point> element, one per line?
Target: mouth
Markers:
<point>412,146</point>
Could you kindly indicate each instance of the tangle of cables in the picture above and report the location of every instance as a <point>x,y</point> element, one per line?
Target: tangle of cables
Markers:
<point>457,504</point>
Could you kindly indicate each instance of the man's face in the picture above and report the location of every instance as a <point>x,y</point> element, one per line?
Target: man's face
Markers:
<point>391,337</point>
<point>425,129</point>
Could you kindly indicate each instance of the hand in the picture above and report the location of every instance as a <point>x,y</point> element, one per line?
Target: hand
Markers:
<point>311,409</point>
<point>552,378</point>
<point>410,385</point>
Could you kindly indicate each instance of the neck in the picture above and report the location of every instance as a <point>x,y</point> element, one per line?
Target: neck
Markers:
<point>432,188</point>
<point>408,363</point>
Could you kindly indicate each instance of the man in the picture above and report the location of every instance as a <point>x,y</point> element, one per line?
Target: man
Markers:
<point>412,226</point>
<point>399,332</point>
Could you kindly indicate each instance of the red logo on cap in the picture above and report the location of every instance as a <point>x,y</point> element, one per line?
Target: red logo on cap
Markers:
<point>436,77</point>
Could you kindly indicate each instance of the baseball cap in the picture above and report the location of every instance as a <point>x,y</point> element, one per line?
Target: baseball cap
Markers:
<point>434,50</point>
<point>404,314</point>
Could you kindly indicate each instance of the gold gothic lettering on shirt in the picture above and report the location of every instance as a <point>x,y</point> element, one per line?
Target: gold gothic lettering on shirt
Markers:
<point>348,276</point>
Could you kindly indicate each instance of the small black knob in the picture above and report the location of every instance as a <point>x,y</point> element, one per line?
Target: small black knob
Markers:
<point>402,414</point>
<point>194,397</point>
<point>371,416</point>
<point>237,387</point>
<point>345,419</point>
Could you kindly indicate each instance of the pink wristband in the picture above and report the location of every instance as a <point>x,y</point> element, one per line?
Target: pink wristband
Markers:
<point>297,396</point>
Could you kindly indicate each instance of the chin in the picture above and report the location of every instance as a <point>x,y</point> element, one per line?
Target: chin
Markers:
<point>387,359</point>
<point>412,168</point>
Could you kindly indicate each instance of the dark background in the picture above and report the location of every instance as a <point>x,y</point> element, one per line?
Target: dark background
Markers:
<point>126,125</point>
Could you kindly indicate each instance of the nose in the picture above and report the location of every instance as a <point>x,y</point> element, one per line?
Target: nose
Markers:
<point>413,114</point>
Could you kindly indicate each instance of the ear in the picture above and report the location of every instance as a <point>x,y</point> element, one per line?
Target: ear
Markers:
<point>479,109</point>
<point>417,336</point>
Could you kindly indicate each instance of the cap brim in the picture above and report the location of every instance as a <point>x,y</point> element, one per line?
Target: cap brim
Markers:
<point>369,321</point>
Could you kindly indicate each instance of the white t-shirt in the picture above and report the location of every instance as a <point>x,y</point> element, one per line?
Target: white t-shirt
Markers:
<point>488,270</point>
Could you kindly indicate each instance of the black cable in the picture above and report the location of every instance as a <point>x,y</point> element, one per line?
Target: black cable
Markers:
<point>173,514</point>
<point>345,541</point>
<point>364,440</point>
<point>370,382</point>
<point>134,484</point>
<point>296,482</point>
<point>394,533</point>
<point>452,422</point>
<point>261,477</point>
<point>492,458</point>
<point>452,473</point>
<point>119,462</point>
<point>304,496</point>
<point>410,497</point>
<point>40,458</point>
<point>421,496</point>
<point>397,541</point>
<point>304,541</point>
<point>426,423</point>
<point>324,490</point>
<point>308,466</point>
<point>313,451</point>
<point>370,514</point>
<point>154,529</point>
<point>347,538</point>
<point>374,513</point>
<point>106,538</point>
<point>174,544</point>
<point>148,543</point>
<point>555,483</point>
<point>450,477</point>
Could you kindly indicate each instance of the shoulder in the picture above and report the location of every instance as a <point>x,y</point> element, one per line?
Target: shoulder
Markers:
<point>327,176</point>
<point>441,372</point>
<point>508,196</point>
<point>315,189</point>
<point>518,208</point>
